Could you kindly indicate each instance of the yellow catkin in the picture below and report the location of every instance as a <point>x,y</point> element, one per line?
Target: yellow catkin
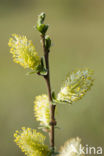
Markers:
<point>42,110</point>
<point>23,51</point>
<point>72,148</point>
<point>76,85</point>
<point>31,142</point>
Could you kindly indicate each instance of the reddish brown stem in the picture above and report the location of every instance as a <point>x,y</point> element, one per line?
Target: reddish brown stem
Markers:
<point>52,107</point>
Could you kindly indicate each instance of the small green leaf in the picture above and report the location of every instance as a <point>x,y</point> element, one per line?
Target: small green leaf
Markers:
<point>54,96</point>
<point>43,72</point>
<point>47,42</point>
<point>42,67</point>
<point>41,18</point>
<point>43,62</point>
<point>32,72</point>
<point>42,28</point>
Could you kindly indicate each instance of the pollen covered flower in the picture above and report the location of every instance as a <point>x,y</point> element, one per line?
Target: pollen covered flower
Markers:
<point>24,52</point>
<point>31,142</point>
<point>76,86</point>
<point>72,148</point>
<point>42,110</point>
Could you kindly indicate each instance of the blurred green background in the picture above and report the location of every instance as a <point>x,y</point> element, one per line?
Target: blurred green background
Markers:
<point>77,32</point>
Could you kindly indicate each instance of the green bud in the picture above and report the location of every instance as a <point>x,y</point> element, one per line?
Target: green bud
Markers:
<point>41,18</point>
<point>42,67</point>
<point>41,27</point>
<point>47,42</point>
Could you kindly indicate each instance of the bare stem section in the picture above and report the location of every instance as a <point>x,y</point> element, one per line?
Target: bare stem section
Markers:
<point>52,107</point>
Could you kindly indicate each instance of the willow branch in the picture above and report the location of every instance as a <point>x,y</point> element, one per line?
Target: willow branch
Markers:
<point>52,107</point>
